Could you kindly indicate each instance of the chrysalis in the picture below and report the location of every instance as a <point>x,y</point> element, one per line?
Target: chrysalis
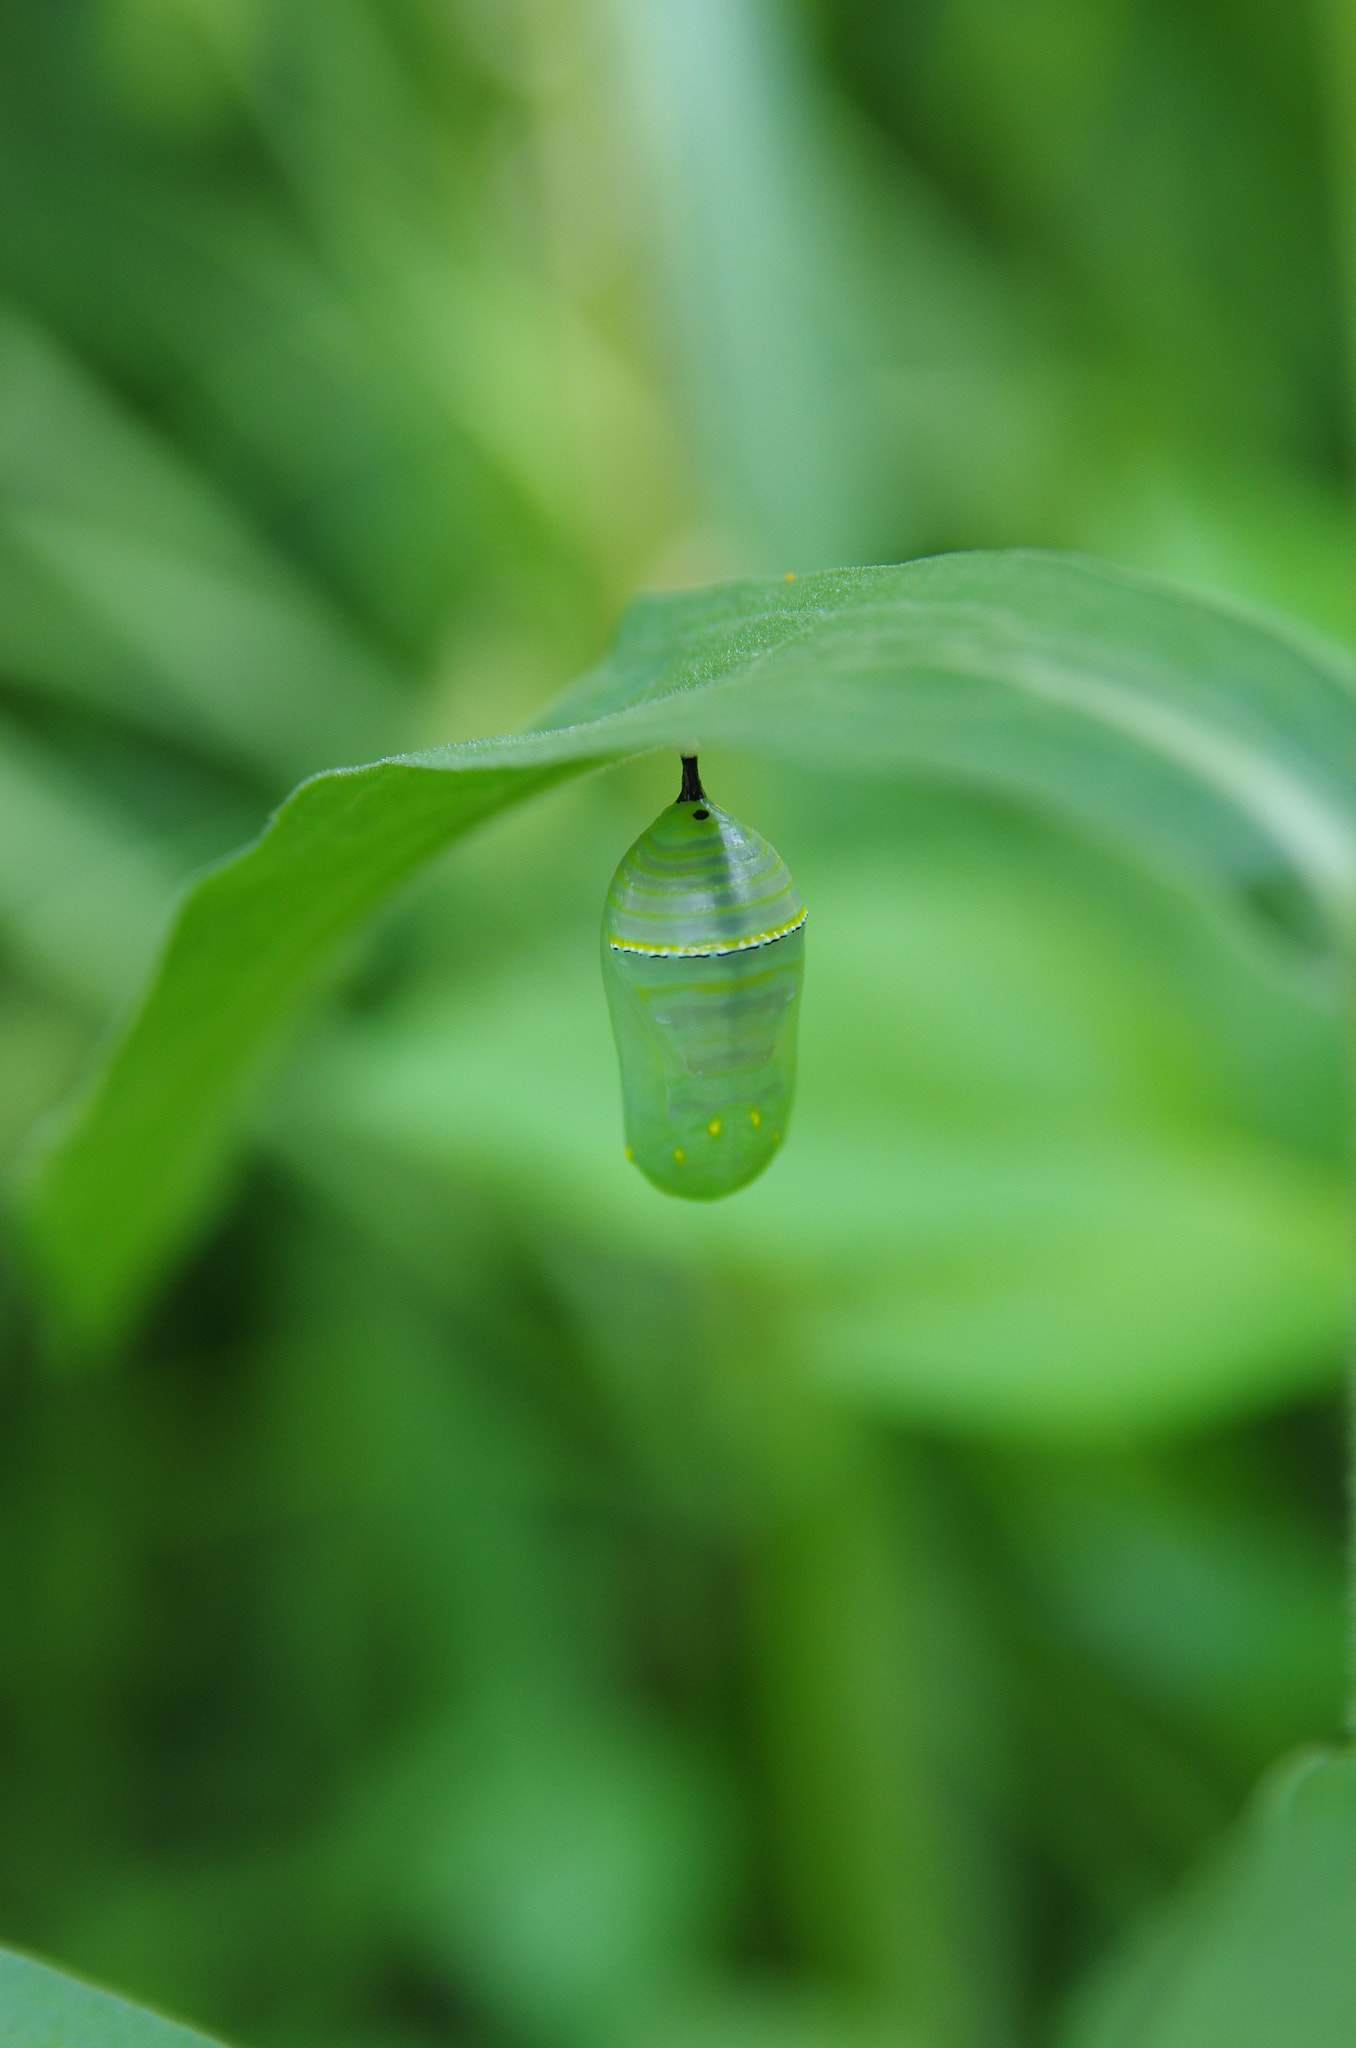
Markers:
<point>703,958</point>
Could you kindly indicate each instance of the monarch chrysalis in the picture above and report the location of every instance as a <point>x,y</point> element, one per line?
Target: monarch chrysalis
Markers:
<point>703,958</point>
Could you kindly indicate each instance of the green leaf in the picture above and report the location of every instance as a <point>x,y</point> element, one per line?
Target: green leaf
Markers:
<point>82,890</point>
<point>1191,732</point>
<point>41,2008</point>
<point>129,585</point>
<point>1261,1951</point>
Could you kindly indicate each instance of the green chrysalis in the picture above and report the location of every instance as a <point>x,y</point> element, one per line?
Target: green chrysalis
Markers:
<point>703,959</point>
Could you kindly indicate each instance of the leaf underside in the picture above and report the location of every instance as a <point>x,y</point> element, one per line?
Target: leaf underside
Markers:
<point>1193,733</point>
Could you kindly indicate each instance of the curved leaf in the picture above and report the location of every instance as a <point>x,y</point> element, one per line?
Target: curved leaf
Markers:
<point>1193,732</point>
<point>1260,1952</point>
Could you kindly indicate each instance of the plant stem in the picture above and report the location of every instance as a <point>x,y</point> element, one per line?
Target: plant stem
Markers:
<point>886,1869</point>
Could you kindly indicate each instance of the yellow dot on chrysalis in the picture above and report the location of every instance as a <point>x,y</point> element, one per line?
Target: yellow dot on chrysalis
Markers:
<point>629,1153</point>
<point>790,576</point>
<point>754,1118</point>
<point>714,1127</point>
<point>679,1154</point>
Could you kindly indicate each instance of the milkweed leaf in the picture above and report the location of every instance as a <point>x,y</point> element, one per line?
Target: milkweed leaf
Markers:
<point>1193,733</point>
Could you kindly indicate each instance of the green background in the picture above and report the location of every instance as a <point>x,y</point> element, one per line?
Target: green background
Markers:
<point>475,1601</point>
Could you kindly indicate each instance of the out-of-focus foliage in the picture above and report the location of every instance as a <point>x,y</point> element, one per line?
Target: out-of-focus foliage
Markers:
<point>41,2006</point>
<point>1194,735</point>
<point>1262,1951</point>
<point>477,1608</point>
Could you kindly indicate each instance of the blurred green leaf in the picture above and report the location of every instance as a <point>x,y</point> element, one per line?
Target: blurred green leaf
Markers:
<point>131,586</point>
<point>39,2008</point>
<point>1191,732</point>
<point>1227,1619</point>
<point>878,409</point>
<point>562,1879</point>
<point>1259,1953</point>
<point>83,891</point>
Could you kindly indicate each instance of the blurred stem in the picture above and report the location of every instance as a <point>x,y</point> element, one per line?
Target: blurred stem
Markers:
<point>887,1883</point>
